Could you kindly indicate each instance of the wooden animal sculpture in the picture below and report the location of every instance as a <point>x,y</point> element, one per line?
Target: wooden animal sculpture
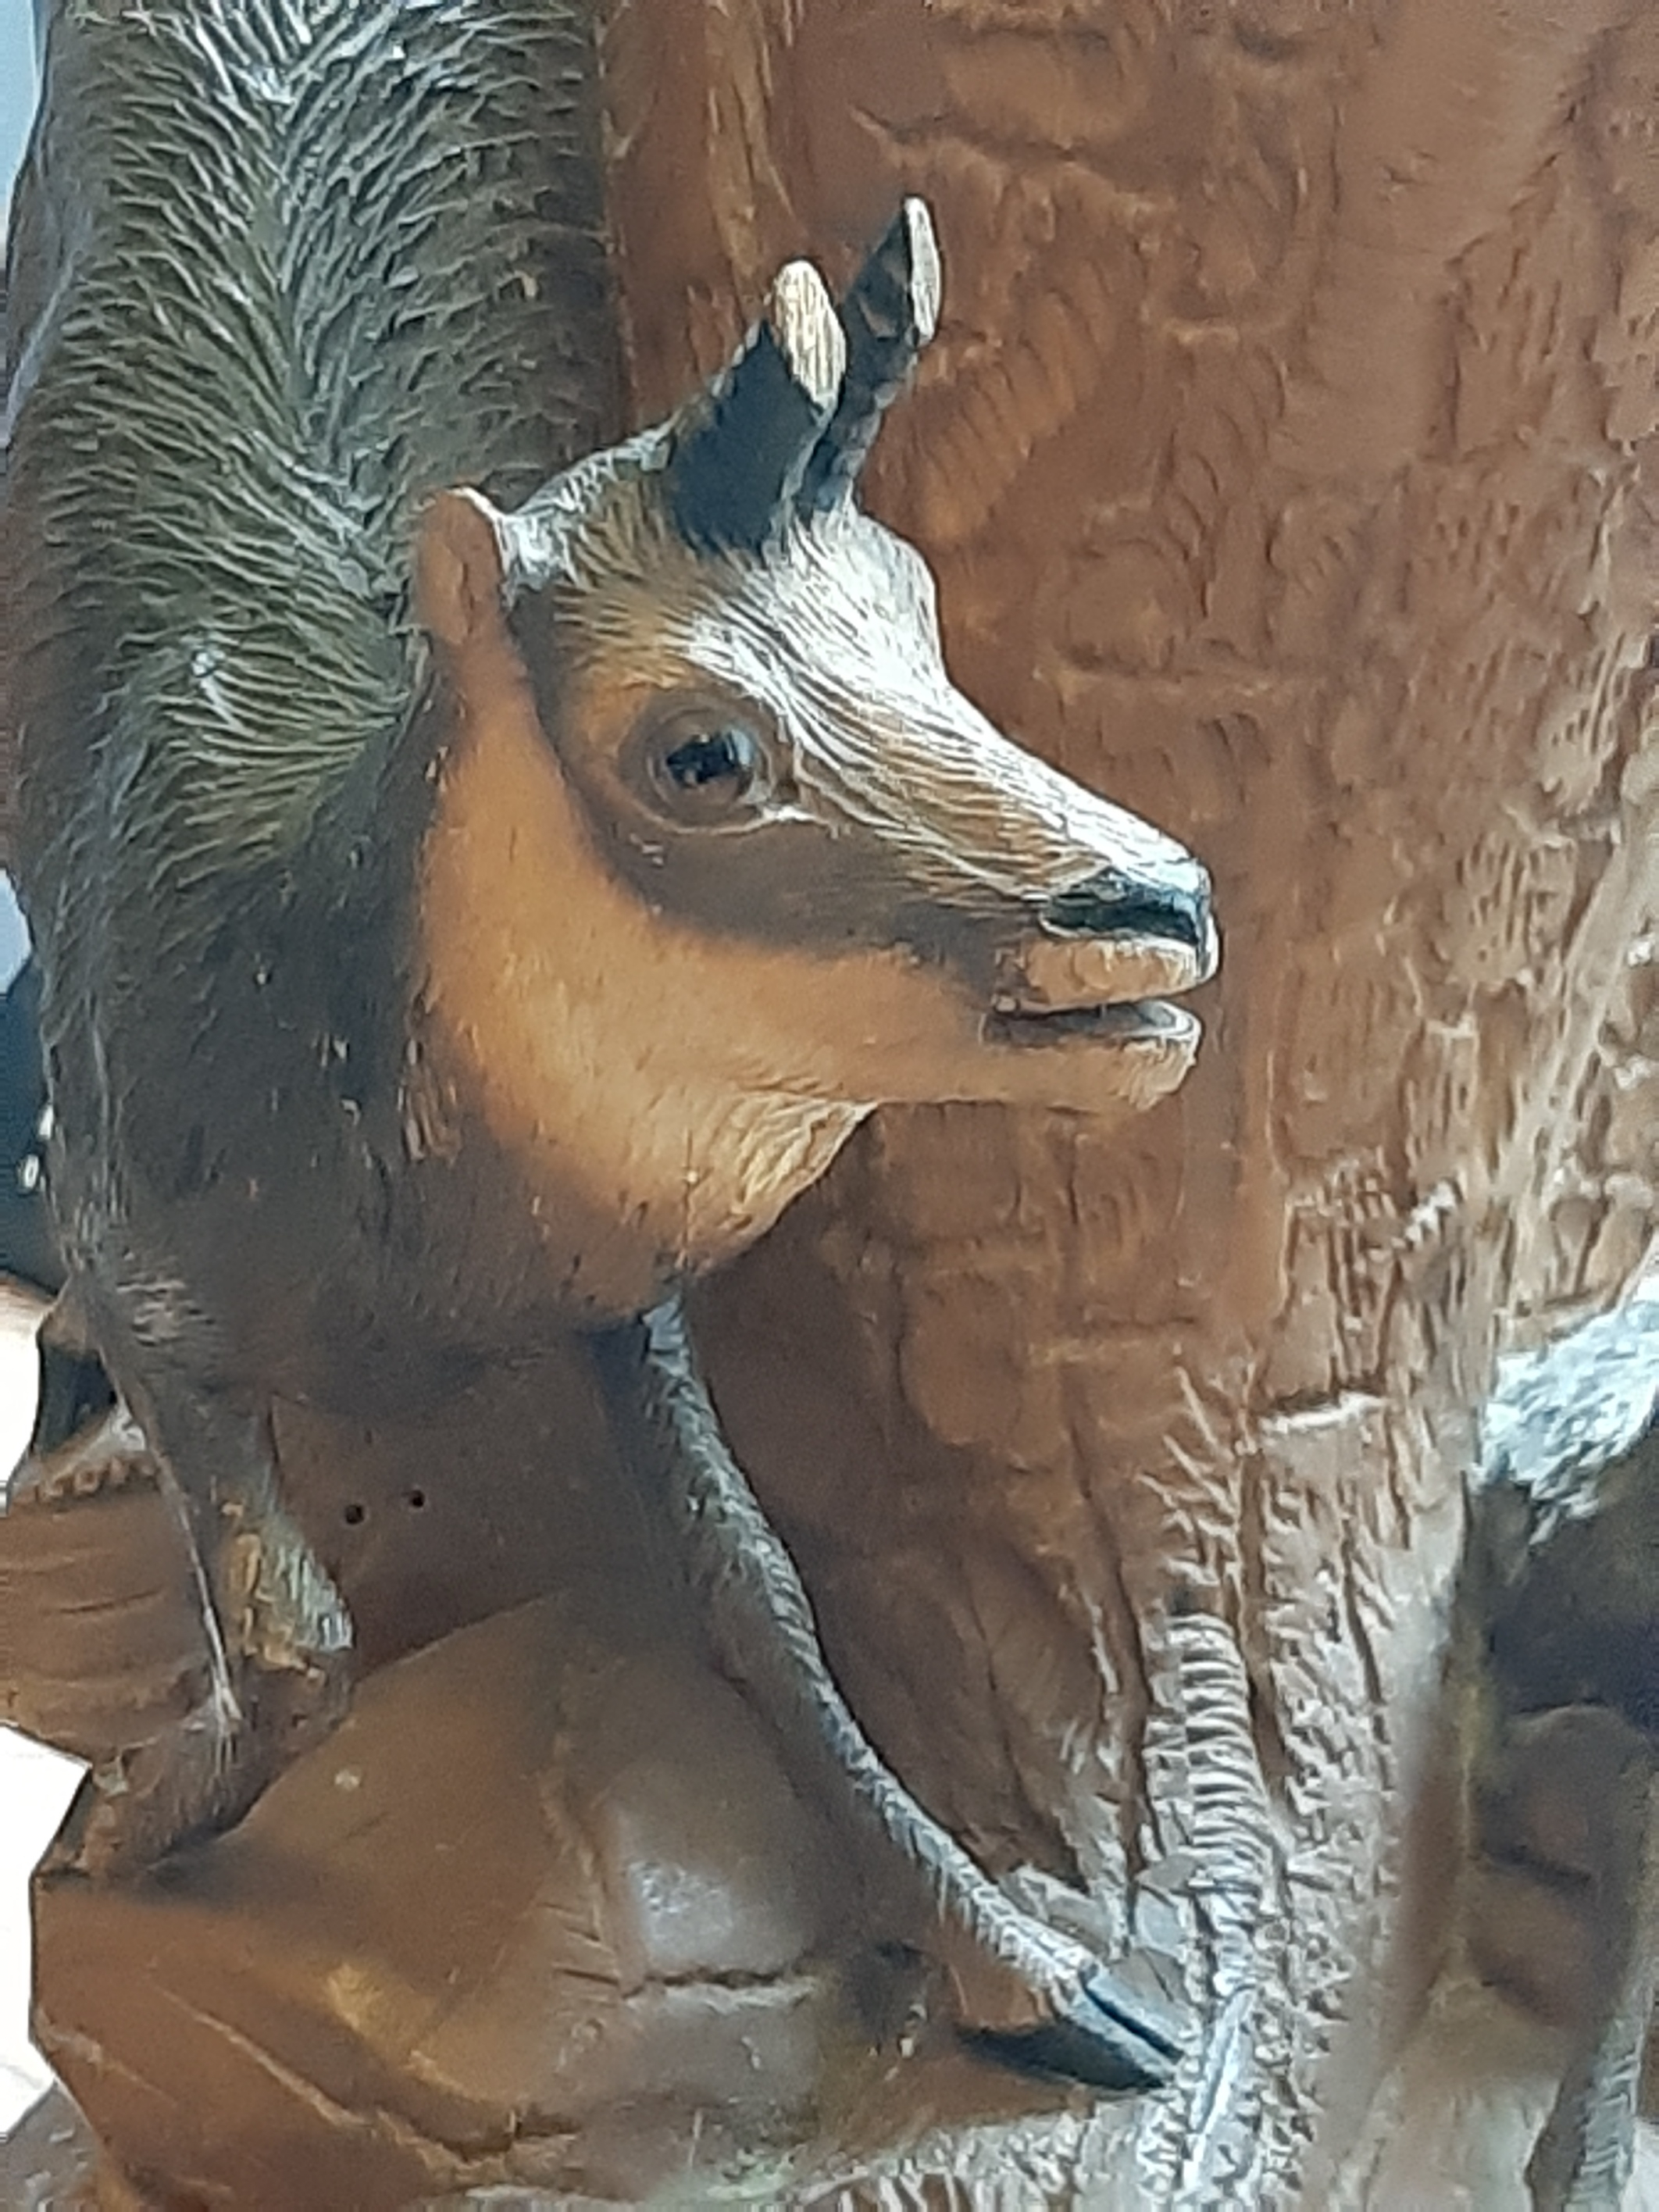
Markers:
<point>1563,1623</point>
<point>406,1001</point>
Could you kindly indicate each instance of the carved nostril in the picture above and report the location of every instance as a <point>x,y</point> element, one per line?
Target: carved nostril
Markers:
<point>1116,904</point>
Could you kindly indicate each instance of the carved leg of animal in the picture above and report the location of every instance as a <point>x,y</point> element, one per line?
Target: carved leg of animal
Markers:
<point>1583,2160</point>
<point>761,1623</point>
<point>276,1630</point>
<point>282,1627</point>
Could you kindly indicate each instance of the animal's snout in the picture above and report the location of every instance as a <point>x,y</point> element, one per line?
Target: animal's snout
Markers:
<point>1174,908</point>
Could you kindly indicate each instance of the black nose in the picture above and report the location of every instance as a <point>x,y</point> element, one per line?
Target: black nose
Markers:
<point>1176,908</point>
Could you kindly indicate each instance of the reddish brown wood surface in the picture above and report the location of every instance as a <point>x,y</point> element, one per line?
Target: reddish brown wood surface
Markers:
<point>1282,460</point>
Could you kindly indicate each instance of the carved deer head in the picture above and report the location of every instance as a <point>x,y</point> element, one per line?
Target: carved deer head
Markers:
<point>722,859</point>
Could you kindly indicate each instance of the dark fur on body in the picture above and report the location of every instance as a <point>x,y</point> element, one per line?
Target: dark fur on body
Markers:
<point>422,298</point>
<point>1561,1621</point>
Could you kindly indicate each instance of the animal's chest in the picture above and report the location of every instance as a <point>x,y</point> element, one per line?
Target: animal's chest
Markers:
<point>504,1489</point>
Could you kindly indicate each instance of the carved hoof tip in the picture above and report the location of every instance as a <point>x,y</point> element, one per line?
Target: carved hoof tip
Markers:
<point>1102,2035</point>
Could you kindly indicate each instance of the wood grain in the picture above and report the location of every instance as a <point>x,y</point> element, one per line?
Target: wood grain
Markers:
<point>1284,461</point>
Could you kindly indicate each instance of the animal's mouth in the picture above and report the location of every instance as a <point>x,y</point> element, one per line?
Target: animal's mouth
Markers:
<point>1132,1021</point>
<point>1099,991</point>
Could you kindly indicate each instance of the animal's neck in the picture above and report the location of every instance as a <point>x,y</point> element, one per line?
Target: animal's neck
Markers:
<point>655,1196</point>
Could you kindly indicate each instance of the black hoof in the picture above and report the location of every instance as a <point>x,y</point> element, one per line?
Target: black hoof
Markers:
<point>1103,2035</point>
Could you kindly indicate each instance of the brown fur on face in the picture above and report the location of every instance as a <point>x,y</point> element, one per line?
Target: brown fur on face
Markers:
<point>670,1069</point>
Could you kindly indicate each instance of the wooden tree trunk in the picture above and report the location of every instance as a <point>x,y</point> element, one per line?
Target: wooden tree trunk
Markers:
<point>1282,463</point>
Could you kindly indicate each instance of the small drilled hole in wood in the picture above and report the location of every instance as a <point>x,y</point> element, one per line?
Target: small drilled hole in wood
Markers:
<point>417,1500</point>
<point>355,1515</point>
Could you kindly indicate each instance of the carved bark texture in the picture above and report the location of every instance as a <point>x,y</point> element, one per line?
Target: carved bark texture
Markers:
<point>1283,457</point>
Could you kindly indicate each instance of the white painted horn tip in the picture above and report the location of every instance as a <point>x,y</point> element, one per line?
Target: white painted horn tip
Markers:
<point>926,277</point>
<point>802,317</point>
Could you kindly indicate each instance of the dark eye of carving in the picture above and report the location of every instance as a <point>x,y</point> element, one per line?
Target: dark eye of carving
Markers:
<point>705,766</point>
<point>723,756</point>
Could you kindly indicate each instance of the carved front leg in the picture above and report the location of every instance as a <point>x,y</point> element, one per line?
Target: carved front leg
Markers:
<point>1072,2014</point>
<point>187,1645</point>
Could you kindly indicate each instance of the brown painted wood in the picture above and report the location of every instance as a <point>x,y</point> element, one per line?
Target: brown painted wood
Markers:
<point>1282,460</point>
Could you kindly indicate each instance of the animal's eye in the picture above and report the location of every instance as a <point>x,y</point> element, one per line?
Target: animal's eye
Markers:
<point>726,756</point>
<point>705,764</point>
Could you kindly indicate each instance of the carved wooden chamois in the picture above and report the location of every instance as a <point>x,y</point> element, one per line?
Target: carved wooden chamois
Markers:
<point>403,1005</point>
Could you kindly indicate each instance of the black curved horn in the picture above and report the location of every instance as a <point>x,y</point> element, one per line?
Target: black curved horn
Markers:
<point>735,467</point>
<point>889,312</point>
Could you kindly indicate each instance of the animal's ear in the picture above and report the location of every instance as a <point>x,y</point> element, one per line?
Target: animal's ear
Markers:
<point>459,571</point>
<point>736,458</point>
<point>889,312</point>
